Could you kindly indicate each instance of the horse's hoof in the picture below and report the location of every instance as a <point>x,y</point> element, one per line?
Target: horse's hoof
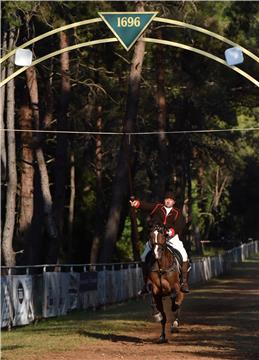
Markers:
<point>158,317</point>
<point>174,327</point>
<point>174,330</point>
<point>162,340</point>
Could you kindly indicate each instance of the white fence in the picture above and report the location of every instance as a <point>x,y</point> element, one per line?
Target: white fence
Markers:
<point>54,293</point>
<point>213,266</point>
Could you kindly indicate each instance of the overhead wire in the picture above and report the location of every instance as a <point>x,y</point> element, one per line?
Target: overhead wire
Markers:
<point>76,132</point>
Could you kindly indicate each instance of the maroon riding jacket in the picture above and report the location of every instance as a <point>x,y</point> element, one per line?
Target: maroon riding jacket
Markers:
<point>174,220</point>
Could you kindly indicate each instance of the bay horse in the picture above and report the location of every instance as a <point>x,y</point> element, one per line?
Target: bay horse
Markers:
<point>164,279</point>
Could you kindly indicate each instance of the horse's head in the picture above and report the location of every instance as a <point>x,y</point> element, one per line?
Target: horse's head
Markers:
<point>158,240</point>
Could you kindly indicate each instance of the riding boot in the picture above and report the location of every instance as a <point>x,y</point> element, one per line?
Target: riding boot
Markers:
<point>184,277</point>
<point>144,289</point>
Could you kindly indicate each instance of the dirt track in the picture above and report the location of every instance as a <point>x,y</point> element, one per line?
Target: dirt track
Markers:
<point>220,320</point>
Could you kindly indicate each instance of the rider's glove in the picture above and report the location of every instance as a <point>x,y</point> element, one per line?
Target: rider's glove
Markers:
<point>135,203</point>
<point>170,232</point>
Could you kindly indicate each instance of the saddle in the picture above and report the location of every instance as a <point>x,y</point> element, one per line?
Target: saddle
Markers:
<point>150,260</point>
<point>176,253</point>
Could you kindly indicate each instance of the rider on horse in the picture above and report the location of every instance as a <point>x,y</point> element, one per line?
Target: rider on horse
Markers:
<point>172,218</point>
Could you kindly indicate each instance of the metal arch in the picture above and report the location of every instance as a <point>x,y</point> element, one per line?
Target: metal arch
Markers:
<point>150,40</point>
<point>49,33</point>
<point>204,53</point>
<point>158,19</point>
<point>207,32</point>
<point>58,52</point>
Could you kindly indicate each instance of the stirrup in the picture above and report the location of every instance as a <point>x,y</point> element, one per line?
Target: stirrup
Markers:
<point>143,291</point>
<point>184,288</point>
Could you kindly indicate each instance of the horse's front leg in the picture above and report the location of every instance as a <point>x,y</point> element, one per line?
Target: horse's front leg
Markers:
<point>177,299</point>
<point>175,324</point>
<point>162,317</point>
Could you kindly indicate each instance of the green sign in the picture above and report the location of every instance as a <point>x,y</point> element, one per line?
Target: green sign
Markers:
<point>127,26</point>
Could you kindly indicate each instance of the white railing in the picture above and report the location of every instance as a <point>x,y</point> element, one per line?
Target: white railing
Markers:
<point>31,292</point>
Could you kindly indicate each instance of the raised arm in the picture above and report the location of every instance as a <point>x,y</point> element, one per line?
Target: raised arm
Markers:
<point>139,204</point>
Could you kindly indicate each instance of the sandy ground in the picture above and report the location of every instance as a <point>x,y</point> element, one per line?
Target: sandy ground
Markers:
<point>220,320</point>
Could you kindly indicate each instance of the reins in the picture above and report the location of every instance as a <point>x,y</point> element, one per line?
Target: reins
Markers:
<point>165,271</point>
<point>160,245</point>
<point>160,270</point>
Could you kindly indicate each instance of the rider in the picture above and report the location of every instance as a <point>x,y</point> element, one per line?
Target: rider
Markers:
<point>175,223</point>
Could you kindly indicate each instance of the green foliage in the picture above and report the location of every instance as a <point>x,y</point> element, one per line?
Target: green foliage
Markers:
<point>200,94</point>
<point>124,245</point>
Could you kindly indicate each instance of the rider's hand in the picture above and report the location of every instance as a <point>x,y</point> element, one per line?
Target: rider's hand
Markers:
<point>135,203</point>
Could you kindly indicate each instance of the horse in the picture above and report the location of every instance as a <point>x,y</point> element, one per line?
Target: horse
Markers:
<point>164,279</point>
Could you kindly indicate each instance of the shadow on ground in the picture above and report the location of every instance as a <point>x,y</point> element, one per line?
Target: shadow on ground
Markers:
<point>222,317</point>
<point>111,337</point>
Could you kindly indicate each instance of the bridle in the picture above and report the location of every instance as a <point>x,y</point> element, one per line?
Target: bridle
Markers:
<point>160,229</point>
<point>160,247</point>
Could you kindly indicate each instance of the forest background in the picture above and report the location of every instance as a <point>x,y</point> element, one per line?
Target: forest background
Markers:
<point>65,197</point>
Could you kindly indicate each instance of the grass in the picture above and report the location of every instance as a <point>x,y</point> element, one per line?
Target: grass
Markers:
<point>74,330</point>
<point>80,328</point>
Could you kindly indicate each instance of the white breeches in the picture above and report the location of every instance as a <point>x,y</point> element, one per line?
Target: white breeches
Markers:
<point>175,242</point>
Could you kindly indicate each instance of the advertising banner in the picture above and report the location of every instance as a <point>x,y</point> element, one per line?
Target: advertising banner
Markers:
<point>73,291</point>
<point>6,302</point>
<point>23,312</point>
<point>55,294</point>
<point>89,281</point>
<point>37,295</point>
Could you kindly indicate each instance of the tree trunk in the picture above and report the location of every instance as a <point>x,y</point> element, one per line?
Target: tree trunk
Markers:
<point>3,135</point>
<point>133,216</point>
<point>188,209</point>
<point>7,247</point>
<point>162,122</point>
<point>220,186</point>
<point>120,190</point>
<point>2,103</point>
<point>201,204</point>
<point>61,161</point>
<point>43,172</point>
<point>180,184</point>
<point>134,235</point>
<point>99,191</point>
<point>71,206</point>
<point>178,149</point>
<point>49,102</point>
<point>197,240</point>
<point>27,173</point>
